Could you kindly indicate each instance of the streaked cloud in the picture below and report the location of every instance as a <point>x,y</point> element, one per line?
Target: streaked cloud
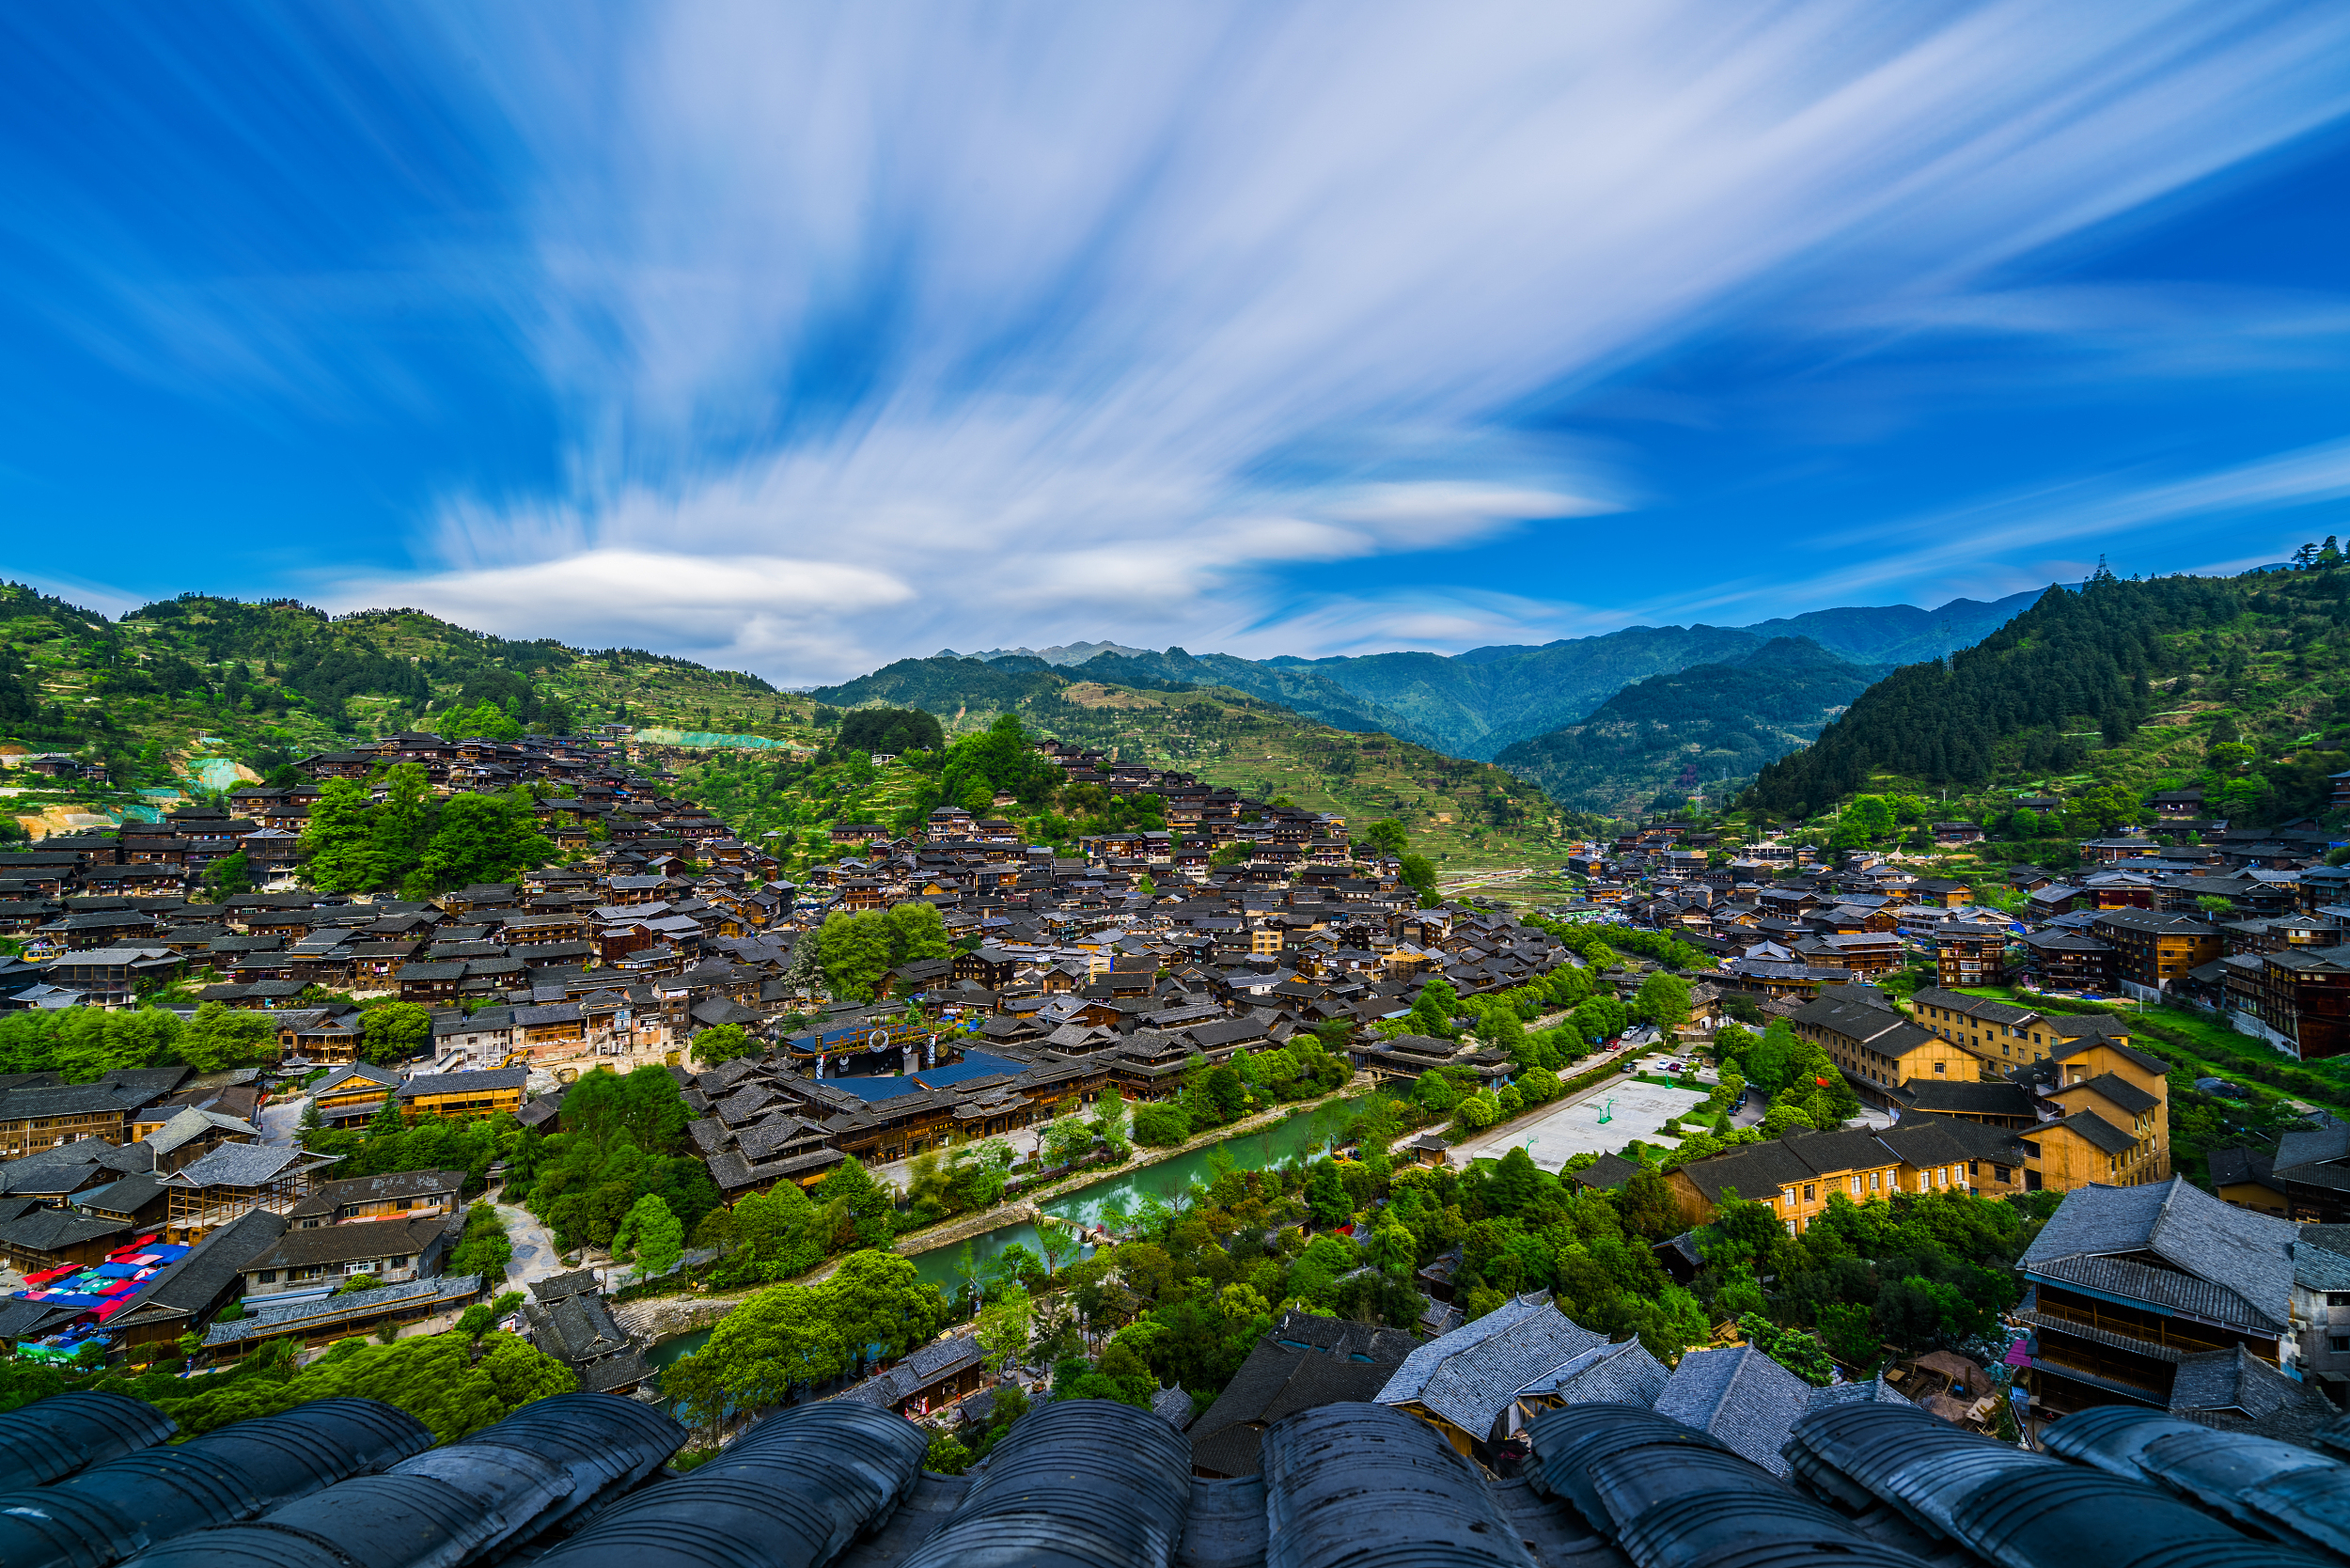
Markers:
<point>844,333</point>
<point>1024,307</point>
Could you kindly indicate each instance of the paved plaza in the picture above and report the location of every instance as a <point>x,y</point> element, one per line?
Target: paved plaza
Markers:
<point>1634,1109</point>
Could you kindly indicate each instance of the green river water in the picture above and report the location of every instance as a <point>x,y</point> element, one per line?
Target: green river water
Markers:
<point>1306,1133</point>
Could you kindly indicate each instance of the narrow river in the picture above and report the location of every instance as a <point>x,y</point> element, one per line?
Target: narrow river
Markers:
<point>1308,1132</point>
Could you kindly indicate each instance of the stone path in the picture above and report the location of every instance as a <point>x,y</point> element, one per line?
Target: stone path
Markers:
<point>534,1256</point>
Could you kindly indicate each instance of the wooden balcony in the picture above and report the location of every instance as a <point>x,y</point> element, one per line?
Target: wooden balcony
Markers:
<point>2162,1338</point>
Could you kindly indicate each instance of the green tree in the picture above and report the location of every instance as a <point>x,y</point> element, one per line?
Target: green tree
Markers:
<point>1065,1140</point>
<point>2104,807</point>
<point>1663,1000</point>
<point>1791,1348</point>
<point>483,838</point>
<point>1601,1018</point>
<point>484,1247</point>
<point>722,1043</point>
<point>1004,1322</point>
<point>1325,1195</point>
<point>446,1381</point>
<point>228,875</point>
<point>395,1031</point>
<point>84,1043</point>
<point>1387,837</point>
<point>1870,817</point>
<point>336,845</point>
<point>1845,1329</point>
<point>221,1037</point>
<point>1433,1093</point>
<point>1432,1011</point>
<point>855,952</point>
<point>1109,1121</point>
<point>879,1305</point>
<point>398,827</point>
<point>777,1340</point>
<point>1162,1125</point>
<point>650,1236</point>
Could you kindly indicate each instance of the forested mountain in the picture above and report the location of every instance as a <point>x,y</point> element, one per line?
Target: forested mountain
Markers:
<point>1455,812</point>
<point>1303,691</point>
<point>949,686</point>
<point>1455,809</point>
<point>1710,727</point>
<point>1477,703</point>
<point>205,685</point>
<point>2128,682</point>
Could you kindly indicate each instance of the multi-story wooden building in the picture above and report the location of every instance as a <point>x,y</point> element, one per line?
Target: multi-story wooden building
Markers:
<point>2114,1125</point>
<point>406,1194</point>
<point>39,1118</point>
<point>236,1180</point>
<point>2300,998</point>
<point>352,1094</point>
<point>2000,1035</point>
<point>1877,1047</point>
<point>2125,1283</point>
<point>1799,1175</point>
<point>2068,961</point>
<point>463,1096</point>
<point>1970,952</point>
<point>2153,951</point>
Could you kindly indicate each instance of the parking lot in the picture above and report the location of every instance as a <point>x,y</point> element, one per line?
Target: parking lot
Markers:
<point>1633,1109</point>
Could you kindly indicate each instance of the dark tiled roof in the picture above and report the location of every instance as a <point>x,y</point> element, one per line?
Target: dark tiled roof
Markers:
<point>1277,1380</point>
<point>2229,1264</point>
<point>240,1164</point>
<point>2119,1089</point>
<point>1470,1375</point>
<point>2095,1129</point>
<point>1741,1396</point>
<point>340,1244</point>
<point>484,1082</point>
<point>1944,1097</point>
<point>52,1230</point>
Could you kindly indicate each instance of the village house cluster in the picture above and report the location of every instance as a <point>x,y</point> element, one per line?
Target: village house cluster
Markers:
<point>1119,967</point>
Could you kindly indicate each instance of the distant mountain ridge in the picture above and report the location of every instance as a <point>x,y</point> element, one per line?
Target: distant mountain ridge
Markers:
<point>1069,653</point>
<point>1709,727</point>
<point>1480,703</point>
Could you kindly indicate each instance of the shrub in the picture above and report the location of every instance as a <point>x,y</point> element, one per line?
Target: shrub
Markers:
<point>1161,1126</point>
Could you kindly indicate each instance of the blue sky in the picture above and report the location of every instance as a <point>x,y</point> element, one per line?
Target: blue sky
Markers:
<point>801,337</point>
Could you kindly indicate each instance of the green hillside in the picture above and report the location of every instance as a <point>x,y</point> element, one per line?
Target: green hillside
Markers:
<point>1709,727</point>
<point>2235,684</point>
<point>1462,814</point>
<point>197,692</point>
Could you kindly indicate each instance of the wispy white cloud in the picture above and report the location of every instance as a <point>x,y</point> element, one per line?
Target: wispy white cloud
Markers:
<point>2039,527</point>
<point>1027,311</point>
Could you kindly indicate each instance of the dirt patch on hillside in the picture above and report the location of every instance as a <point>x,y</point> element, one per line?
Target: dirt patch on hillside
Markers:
<point>62,819</point>
<point>1092,693</point>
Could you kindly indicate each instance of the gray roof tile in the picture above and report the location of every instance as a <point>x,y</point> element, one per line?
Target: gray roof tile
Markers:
<point>1741,1396</point>
<point>2228,1264</point>
<point>1470,1375</point>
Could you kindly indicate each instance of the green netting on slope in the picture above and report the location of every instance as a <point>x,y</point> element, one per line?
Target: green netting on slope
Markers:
<point>215,772</point>
<point>657,736</point>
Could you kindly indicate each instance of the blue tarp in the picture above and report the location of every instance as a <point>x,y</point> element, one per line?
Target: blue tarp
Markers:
<point>975,1064</point>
